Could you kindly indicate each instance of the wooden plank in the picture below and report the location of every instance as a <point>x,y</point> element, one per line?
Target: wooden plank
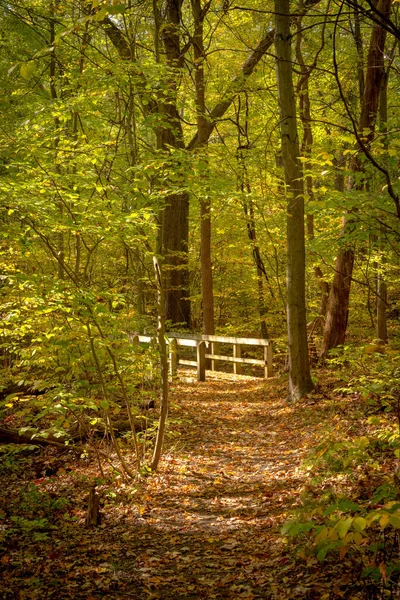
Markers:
<point>221,339</point>
<point>214,351</point>
<point>187,336</point>
<point>189,363</point>
<point>145,338</point>
<point>201,361</point>
<point>173,357</point>
<point>248,361</point>
<point>186,342</point>
<point>268,371</point>
<point>237,354</point>
<point>192,341</point>
<point>234,340</point>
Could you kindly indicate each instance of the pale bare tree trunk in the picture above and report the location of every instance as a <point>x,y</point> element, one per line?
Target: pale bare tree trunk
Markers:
<point>162,346</point>
<point>300,382</point>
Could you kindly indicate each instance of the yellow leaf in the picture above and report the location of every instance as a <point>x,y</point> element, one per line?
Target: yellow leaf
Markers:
<point>384,520</point>
<point>28,69</point>
<point>348,538</point>
<point>359,523</point>
<point>343,526</point>
<point>358,538</point>
<point>323,534</point>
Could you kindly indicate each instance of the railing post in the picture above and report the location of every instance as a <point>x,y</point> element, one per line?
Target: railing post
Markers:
<point>214,350</point>
<point>237,353</point>
<point>268,372</point>
<point>201,361</point>
<point>173,357</point>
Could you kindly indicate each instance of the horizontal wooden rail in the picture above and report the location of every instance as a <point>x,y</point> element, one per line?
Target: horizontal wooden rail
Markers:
<point>232,359</point>
<point>201,342</point>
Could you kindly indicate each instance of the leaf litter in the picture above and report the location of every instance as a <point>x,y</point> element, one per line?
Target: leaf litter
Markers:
<point>206,526</point>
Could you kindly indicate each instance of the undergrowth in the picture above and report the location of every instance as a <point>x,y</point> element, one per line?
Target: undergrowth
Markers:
<point>350,510</point>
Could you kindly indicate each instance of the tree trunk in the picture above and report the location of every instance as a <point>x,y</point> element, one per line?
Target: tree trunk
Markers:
<point>300,382</point>
<point>205,204</point>
<point>381,305</point>
<point>174,225</point>
<point>336,322</point>
<point>306,149</point>
<point>175,219</point>
<point>337,317</point>
<point>248,208</point>
<point>173,244</point>
<point>162,345</point>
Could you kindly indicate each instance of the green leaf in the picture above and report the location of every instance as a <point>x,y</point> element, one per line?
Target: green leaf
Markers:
<point>101,14</point>
<point>28,69</point>
<point>395,521</point>
<point>359,524</point>
<point>343,526</point>
<point>117,9</point>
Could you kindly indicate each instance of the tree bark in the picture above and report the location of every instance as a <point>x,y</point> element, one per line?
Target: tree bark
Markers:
<point>205,203</point>
<point>300,382</point>
<point>174,224</point>
<point>306,149</point>
<point>337,318</point>
<point>175,218</point>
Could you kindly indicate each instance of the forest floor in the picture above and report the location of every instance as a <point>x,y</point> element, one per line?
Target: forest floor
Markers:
<point>206,526</point>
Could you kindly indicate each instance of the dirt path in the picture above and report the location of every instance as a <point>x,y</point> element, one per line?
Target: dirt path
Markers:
<point>211,519</point>
<point>206,526</point>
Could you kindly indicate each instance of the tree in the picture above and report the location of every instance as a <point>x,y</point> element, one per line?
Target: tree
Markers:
<point>337,316</point>
<point>300,382</point>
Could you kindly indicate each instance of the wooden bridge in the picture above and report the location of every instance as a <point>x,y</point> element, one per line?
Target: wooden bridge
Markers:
<point>207,352</point>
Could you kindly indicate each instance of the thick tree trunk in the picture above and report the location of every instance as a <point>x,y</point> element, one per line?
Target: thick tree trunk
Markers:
<point>174,225</point>
<point>300,382</point>
<point>337,317</point>
<point>336,322</point>
<point>175,247</point>
<point>175,219</point>
<point>205,204</point>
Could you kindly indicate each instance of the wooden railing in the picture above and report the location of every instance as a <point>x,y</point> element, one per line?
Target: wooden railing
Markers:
<point>207,352</point>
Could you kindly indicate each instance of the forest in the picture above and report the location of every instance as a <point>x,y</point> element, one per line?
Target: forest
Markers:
<point>209,184</point>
